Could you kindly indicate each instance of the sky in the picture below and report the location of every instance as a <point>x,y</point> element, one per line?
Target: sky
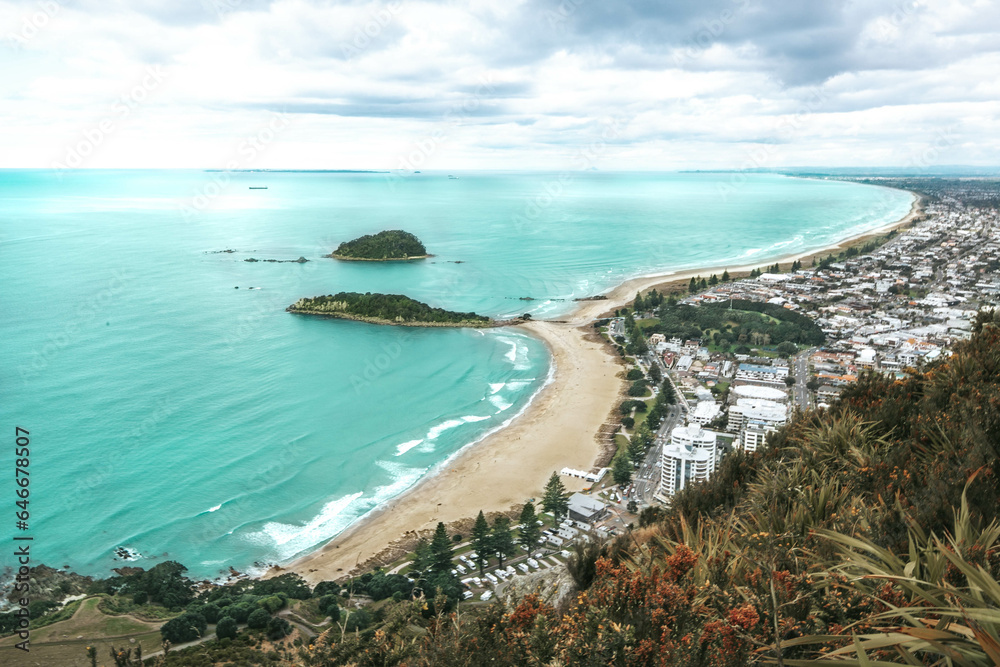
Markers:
<point>511,84</point>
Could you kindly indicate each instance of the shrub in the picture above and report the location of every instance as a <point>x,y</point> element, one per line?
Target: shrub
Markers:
<point>328,604</point>
<point>359,619</point>
<point>258,619</point>
<point>140,598</point>
<point>227,628</point>
<point>277,628</point>
<point>185,628</point>
<point>211,612</point>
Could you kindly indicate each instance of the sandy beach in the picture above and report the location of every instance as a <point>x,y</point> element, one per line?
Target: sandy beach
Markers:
<point>557,430</point>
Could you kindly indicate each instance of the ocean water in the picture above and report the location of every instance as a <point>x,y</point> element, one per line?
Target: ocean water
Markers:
<point>180,418</point>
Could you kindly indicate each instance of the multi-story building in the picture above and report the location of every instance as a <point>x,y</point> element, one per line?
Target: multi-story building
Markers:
<point>754,435</point>
<point>690,457</point>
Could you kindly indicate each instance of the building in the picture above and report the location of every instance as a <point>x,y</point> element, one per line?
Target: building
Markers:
<point>752,409</point>
<point>586,509</point>
<point>754,435</point>
<point>761,376</point>
<point>690,457</point>
<point>704,413</point>
<point>760,393</point>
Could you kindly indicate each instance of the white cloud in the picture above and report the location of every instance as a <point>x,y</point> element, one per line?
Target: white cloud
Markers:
<point>499,84</point>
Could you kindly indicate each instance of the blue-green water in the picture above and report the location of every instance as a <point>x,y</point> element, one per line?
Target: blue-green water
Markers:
<point>177,416</point>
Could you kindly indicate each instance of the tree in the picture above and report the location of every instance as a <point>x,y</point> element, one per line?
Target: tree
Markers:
<point>185,628</point>
<point>502,539</point>
<point>703,284</point>
<point>714,280</point>
<point>422,556</point>
<point>621,469</point>
<point>654,374</point>
<point>555,500</point>
<point>441,551</point>
<point>530,532</point>
<point>692,286</point>
<point>639,305</point>
<point>789,381</point>
<point>227,627</point>
<point>787,349</point>
<point>632,506</point>
<point>813,384</point>
<point>258,619</point>
<point>278,628</point>
<point>725,276</point>
<point>636,452</point>
<point>329,605</point>
<point>481,541</point>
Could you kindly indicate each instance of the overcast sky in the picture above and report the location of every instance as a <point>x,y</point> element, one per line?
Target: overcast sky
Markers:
<point>509,84</point>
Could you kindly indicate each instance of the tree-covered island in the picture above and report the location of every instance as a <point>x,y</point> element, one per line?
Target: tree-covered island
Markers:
<point>385,246</point>
<point>388,309</point>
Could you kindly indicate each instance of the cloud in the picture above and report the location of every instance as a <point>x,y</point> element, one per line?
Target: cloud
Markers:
<point>522,82</point>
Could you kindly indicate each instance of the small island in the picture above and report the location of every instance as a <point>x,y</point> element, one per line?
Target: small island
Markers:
<point>386,246</point>
<point>389,309</point>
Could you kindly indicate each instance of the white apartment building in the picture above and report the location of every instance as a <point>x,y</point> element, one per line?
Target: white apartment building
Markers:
<point>749,409</point>
<point>754,435</point>
<point>690,457</point>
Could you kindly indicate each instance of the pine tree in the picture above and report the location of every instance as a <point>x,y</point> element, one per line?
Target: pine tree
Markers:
<point>502,539</point>
<point>530,532</point>
<point>639,304</point>
<point>621,469</point>
<point>441,551</point>
<point>636,452</point>
<point>555,499</point>
<point>422,556</point>
<point>725,276</point>
<point>692,286</point>
<point>481,542</point>
<point>703,284</point>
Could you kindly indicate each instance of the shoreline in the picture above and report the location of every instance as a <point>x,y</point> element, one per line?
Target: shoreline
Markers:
<point>511,465</point>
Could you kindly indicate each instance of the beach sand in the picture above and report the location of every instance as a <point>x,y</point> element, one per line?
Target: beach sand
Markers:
<point>557,430</point>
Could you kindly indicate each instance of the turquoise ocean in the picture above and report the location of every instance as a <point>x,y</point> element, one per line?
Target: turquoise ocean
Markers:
<point>180,418</point>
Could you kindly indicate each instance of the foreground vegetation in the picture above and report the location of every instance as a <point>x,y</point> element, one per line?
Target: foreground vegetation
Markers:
<point>385,309</point>
<point>387,245</point>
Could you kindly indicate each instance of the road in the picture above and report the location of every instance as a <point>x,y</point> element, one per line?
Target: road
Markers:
<point>800,371</point>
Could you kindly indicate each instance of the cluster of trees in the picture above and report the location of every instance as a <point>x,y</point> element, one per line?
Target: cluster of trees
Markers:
<point>739,323</point>
<point>698,283</point>
<point>387,307</point>
<point>391,244</point>
<point>624,462</point>
<point>871,529</point>
<point>651,302</point>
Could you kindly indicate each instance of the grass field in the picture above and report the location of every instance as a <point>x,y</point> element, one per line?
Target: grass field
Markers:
<point>66,642</point>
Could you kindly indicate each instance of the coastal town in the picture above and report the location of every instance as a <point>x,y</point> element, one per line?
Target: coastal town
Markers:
<point>896,304</point>
<point>891,303</point>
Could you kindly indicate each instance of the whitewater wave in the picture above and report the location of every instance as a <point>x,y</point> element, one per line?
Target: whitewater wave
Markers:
<point>500,403</point>
<point>407,446</point>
